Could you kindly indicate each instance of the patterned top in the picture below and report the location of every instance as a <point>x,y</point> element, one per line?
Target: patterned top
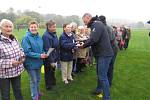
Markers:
<point>9,49</point>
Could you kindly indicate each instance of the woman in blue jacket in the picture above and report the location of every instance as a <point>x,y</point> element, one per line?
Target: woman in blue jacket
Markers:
<point>67,47</point>
<point>50,40</point>
<point>32,44</point>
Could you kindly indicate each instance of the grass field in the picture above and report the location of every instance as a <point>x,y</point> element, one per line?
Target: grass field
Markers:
<point>131,75</point>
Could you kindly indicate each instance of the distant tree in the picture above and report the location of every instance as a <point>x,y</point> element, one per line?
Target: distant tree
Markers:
<point>49,17</point>
<point>10,10</point>
<point>11,15</point>
<point>22,18</point>
<point>59,21</point>
<point>3,15</point>
<point>42,25</point>
<point>8,15</point>
<point>23,21</point>
<point>140,25</point>
<point>73,18</point>
<point>19,13</point>
<point>38,17</point>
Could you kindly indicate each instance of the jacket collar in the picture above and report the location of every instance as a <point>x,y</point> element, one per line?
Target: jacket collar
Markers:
<point>30,34</point>
<point>68,35</point>
<point>5,39</point>
<point>53,34</point>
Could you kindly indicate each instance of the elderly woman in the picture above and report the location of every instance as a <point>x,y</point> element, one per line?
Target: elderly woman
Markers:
<point>81,53</point>
<point>11,59</point>
<point>32,44</point>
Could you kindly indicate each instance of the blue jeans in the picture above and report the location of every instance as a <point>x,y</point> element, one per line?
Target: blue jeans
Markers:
<point>102,69</point>
<point>111,69</point>
<point>35,77</point>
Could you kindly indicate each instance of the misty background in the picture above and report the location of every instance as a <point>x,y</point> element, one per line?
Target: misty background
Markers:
<point>22,18</point>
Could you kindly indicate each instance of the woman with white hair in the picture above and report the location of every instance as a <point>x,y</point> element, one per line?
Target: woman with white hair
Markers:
<point>73,27</point>
<point>11,62</point>
<point>81,52</point>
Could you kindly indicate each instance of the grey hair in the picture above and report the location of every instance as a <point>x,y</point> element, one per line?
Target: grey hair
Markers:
<point>81,27</point>
<point>73,24</point>
<point>3,21</point>
<point>87,14</point>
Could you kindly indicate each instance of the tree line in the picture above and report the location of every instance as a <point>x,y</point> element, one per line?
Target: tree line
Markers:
<point>21,19</point>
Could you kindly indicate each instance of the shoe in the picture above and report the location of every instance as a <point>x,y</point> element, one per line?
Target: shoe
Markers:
<point>37,98</point>
<point>82,70</point>
<point>76,72</point>
<point>54,83</point>
<point>48,88</point>
<point>73,74</point>
<point>100,95</point>
<point>70,79</point>
<point>66,82</point>
<point>96,93</point>
<point>41,94</point>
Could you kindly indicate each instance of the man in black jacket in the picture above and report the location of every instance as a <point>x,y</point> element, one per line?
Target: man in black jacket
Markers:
<point>102,50</point>
<point>114,46</point>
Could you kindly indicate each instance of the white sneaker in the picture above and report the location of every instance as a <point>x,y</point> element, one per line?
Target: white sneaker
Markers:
<point>70,79</point>
<point>66,82</point>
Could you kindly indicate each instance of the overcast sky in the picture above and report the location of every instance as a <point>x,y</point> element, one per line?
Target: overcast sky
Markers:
<point>134,10</point>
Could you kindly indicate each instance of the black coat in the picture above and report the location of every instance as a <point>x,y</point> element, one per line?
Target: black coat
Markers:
<point>99,40</point>
<point>51,41</point>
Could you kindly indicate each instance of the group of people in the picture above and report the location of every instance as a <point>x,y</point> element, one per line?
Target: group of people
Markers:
<point>31,55</point>
<point>123,35</point>
<point>71,50</point>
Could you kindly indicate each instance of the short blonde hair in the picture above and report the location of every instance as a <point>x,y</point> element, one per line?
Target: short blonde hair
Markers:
<point>4,21</point>
<point>33,22</point>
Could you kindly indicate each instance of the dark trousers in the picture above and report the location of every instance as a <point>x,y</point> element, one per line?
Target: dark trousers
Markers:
<point>0,87</point>
<point>16,87</point>
<point>80,64</point>
<point>50,79</point>
<point>111,69</point>
<point>0,84</point>
<point>74,65</point>
<point>126,43</point>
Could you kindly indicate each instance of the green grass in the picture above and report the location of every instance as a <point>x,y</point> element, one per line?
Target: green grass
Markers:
<point>131,75</point>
